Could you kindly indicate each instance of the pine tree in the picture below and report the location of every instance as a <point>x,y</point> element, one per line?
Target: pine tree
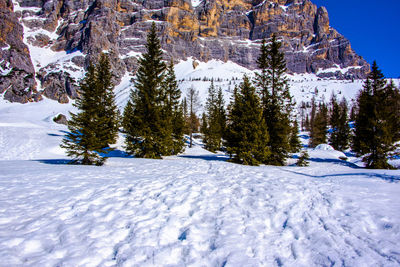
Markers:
<point>393,99</point>
<point>185,116</point>
<point>277,103</point>
<point>302,161</point>
<point>374,136</point>
<point>110,116</point>
<point>143,121</point>
<point>339,122</point>
<point>204,127</point>
<point>247,136</point>
<point>172,115</point>
<point>95,127</point>
<point>294,141</point>
<point>319,127</point>
<point>215,119</point>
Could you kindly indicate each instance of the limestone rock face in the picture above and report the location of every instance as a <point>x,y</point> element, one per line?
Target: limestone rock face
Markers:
<point>16,70</point>
<point>75,32</point>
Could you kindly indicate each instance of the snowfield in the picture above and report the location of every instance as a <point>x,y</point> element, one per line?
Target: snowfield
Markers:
<point>194,209</point>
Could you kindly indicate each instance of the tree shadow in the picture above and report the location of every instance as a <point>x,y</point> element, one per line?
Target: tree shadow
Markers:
<point>55,161</point>
<point>386,177</point>
<point>116,153</point>
<point>113,154</point>
<point>50,134</point>
<point>336,161</point>
<point>206,157</point>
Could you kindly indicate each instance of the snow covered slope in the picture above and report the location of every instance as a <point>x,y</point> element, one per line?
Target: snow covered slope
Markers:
<point>194,209</point>
<point>228,74</point>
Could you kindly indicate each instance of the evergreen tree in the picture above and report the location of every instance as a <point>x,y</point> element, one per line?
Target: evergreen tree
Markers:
<point>319,127</point>
<point>204,127</point>
<point>95,127</point>
<point>294,141</point>
<point>277,103</point>
<point>312,113</point>
<point>374,136</point>
<point>393,99</point>
<point>172,114</point>
<point>185,116</point>
<point>143,120</point>
<point>215,119</point>
<point>339,122</point>
<point>247,136</point>
<point>307,126</point>
<point>302,161</point>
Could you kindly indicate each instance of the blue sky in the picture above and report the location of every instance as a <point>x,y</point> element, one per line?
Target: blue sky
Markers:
<point>373,28</point>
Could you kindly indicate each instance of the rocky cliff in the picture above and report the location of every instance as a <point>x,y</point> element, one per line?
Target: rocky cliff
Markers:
<point>63,36</point>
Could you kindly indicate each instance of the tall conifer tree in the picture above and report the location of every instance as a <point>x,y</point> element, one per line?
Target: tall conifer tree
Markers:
<point>95,127</point>
<point>172,113</point>
<point>319,127</point>
<point>215,119</point>
<point>277,103</point>
<point>339,122</point>
<point>247,135</point>
<point>374,136</point>
<point>143,121</point>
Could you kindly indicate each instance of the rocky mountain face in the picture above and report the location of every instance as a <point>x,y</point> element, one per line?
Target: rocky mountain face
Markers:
<point>45,45</point>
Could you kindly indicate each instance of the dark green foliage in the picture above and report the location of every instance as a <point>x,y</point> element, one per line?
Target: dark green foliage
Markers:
<point>172,114</point>
<point>376,121</point>
<point>339,122</point>
<point>185,116</point>
<point>302,161</point>
<point>319,128</point>
<point>143,120</point>
<point>95,127</point>
<point>294,141</point>
<point>214,120</point>
<point>247,136</point>
<point>204,126</point>
<point>276,101</point>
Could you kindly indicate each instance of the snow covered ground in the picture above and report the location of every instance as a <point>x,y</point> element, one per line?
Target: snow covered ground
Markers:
<point>194,209</point>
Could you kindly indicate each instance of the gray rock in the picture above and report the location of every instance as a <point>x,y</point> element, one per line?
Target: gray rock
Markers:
<point>18,82</point>
<point>60,119</point>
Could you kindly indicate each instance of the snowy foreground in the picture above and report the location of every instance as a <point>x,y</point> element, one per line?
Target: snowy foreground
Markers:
<point>191,210</point>
<point>196,210</point>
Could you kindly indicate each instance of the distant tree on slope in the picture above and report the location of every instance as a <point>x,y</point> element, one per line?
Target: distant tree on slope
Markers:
<point>319,127</point>
<point>214,120</point>
<point>340,130</point>
<point>193,104</point>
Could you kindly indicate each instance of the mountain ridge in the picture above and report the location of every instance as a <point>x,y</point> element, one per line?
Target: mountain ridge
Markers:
<point>74,33</point>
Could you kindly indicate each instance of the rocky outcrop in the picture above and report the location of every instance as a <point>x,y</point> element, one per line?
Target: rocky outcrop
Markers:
<point>215,29</point>
<point>60,119</point>
<point>17,74</point>
<point>59,86</point>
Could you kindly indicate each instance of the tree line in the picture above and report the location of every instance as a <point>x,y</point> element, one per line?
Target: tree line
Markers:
<point>257,127</point>
<point>375,121</point>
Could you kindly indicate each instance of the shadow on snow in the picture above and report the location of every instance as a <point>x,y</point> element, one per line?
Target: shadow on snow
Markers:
<point>206,157</point>
<point>386,177</point>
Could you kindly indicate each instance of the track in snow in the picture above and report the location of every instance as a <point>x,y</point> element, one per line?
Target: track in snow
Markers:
<point>186,211</point>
